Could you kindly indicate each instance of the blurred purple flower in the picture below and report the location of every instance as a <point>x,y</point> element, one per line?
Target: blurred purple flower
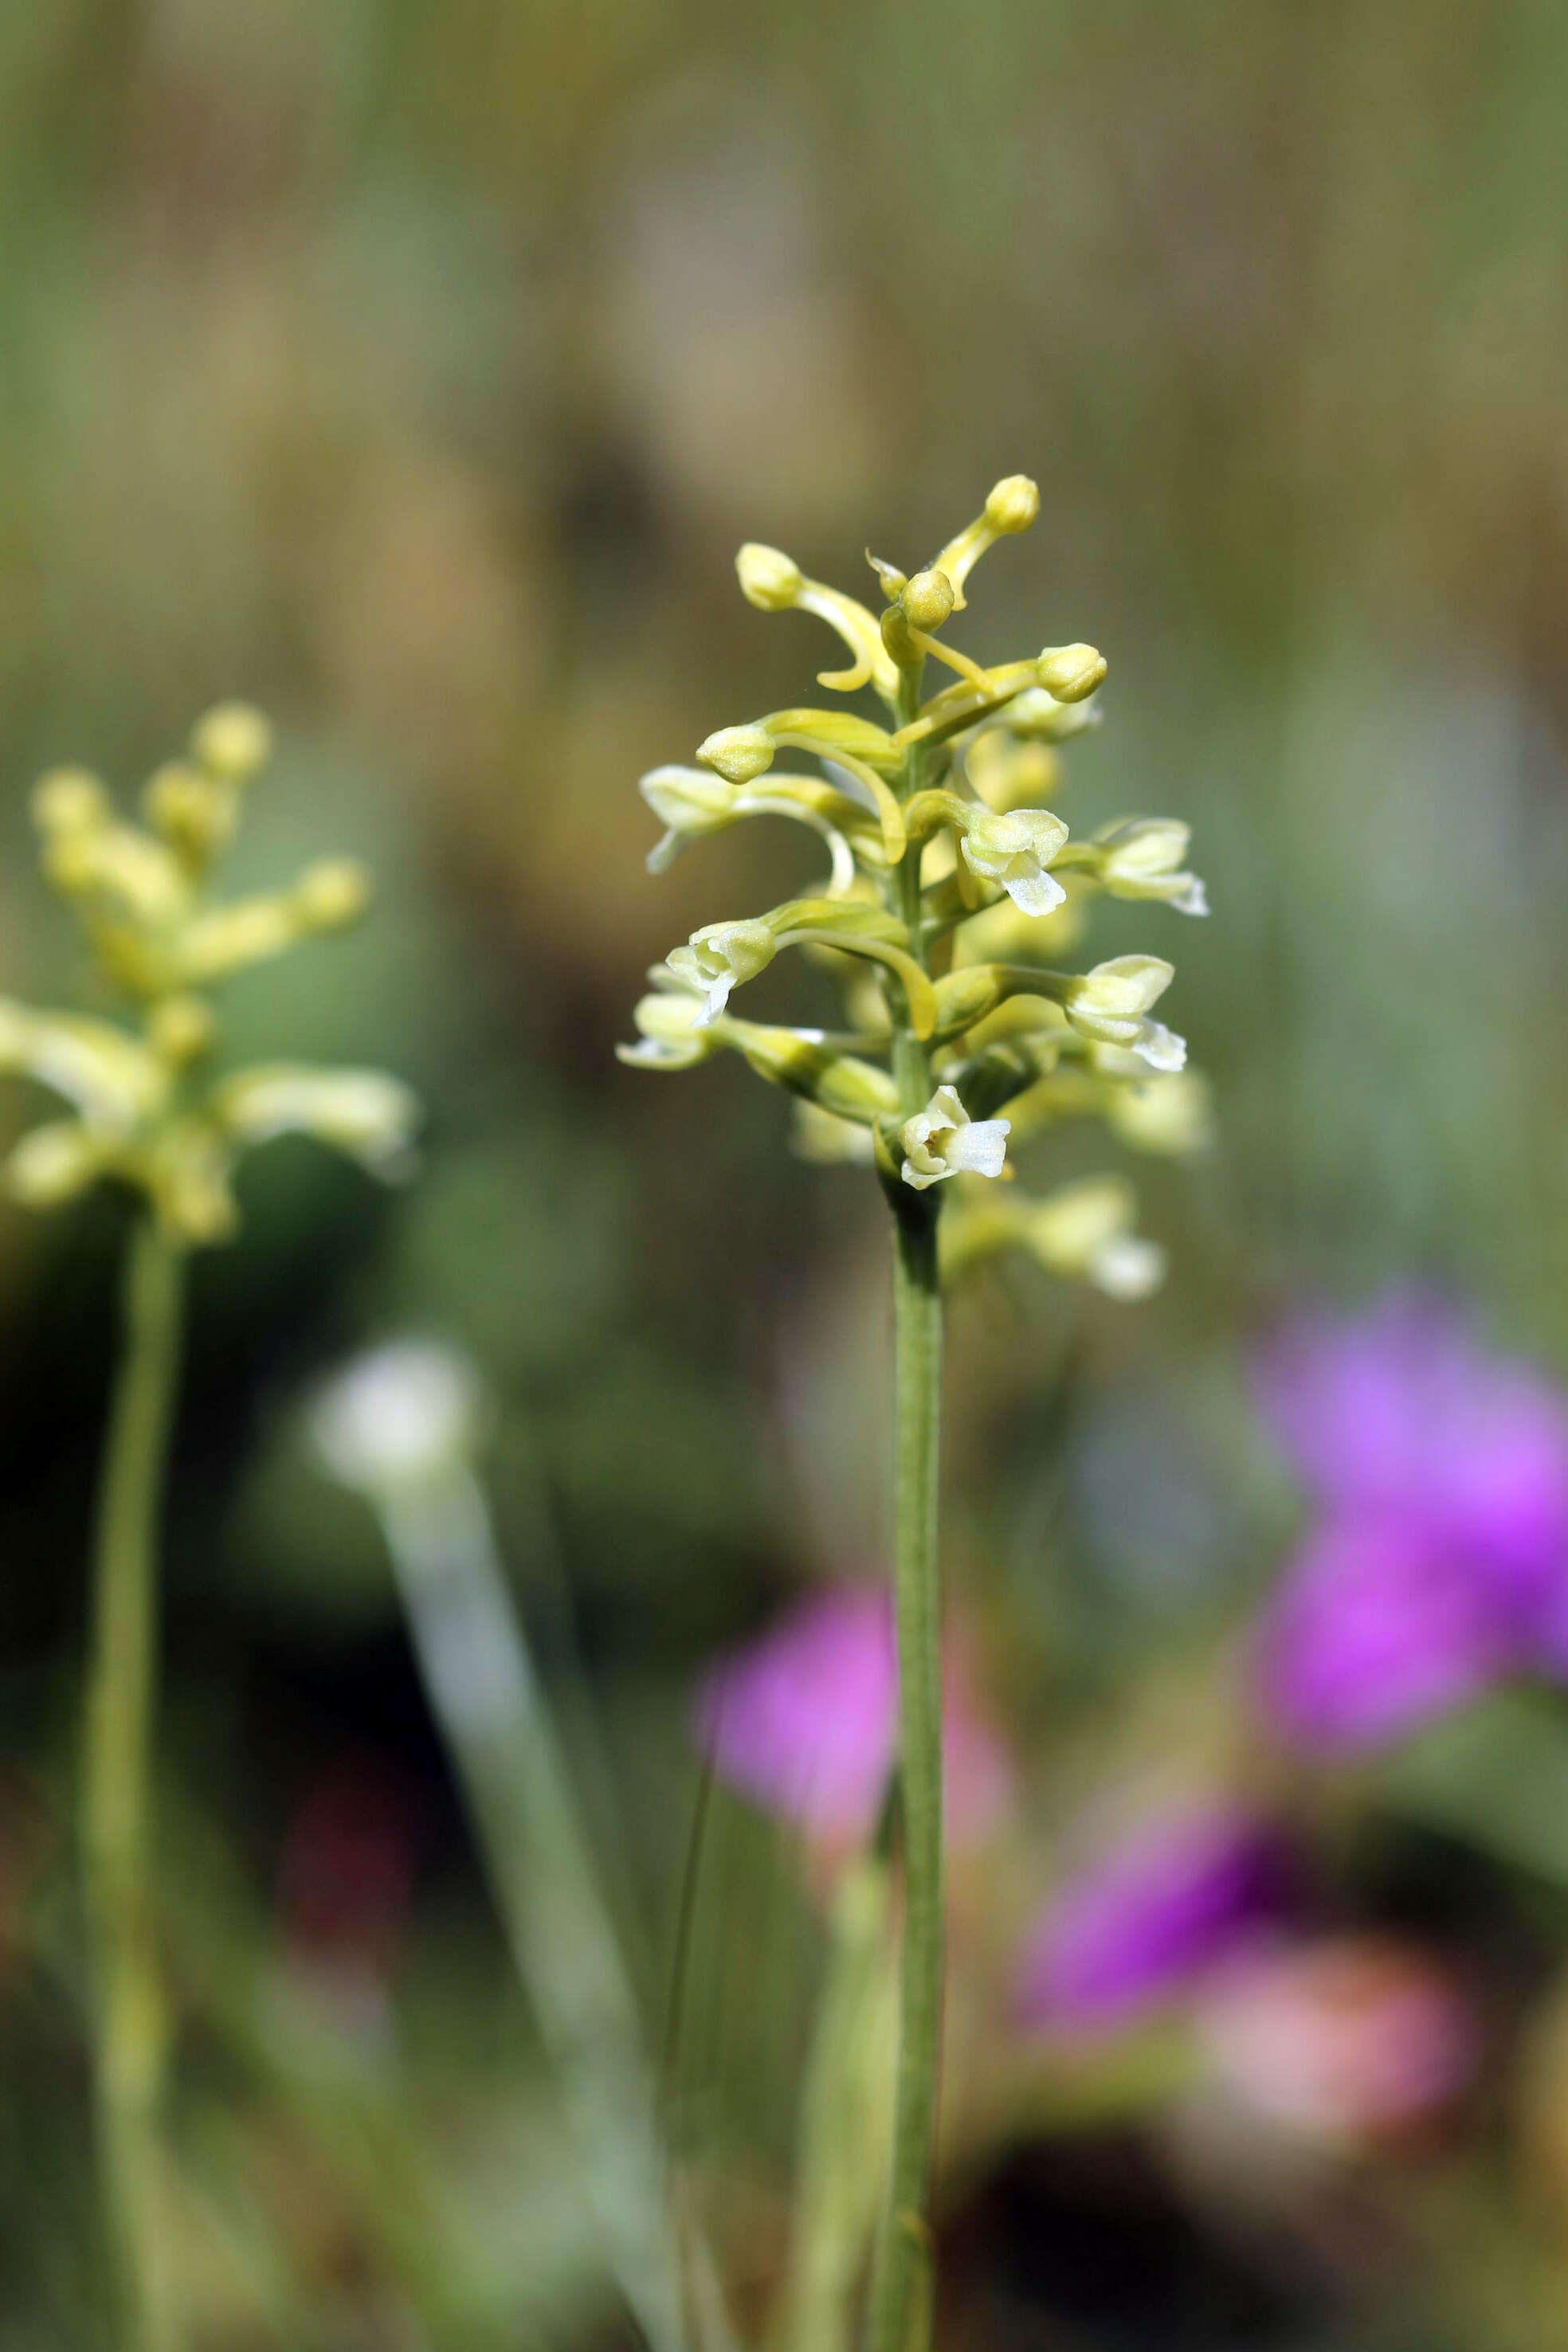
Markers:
<point>1440,1561</point>
<point>1173,1900</point>
<point>805,1720</point>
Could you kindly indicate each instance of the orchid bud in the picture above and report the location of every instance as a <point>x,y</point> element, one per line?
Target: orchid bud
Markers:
<point>1069,672</point>
<point>180,1029</point>
<point>769,579</point>
<point>1014,504</point>
<point>738,753</point>
<point>232,741</point>
<point>927,600</point>
<point>70,801</point>
<point>1011,506</point>
<point>193,811</point>
<point>331,893</point>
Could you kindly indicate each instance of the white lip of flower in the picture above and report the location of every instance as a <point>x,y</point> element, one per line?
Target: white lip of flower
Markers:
<point>1161,1047</point>
<point>717,958</point>
<point>689,802</point>
<point>1015,850</point>
<point>1142,858</point>
<point>397,1415</point>
<point>943,1141</point>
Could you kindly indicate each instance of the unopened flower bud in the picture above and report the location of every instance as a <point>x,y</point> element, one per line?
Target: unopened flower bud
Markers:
<point>232,741</point>
<point>1014,849</point>
<point>927,600</point>
<point>718,958</point>
<point>192,808</point>
<point>1014,504</point>
<point>70,801</point>
<point>179,1028</point>
<point>769,579</point>
<point>739,753</point>
<point>333,892</point>
<point>1069,672</point>
<point>943,1141</point>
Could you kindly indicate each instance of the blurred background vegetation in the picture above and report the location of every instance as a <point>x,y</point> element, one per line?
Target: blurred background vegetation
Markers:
<point>415,370</point>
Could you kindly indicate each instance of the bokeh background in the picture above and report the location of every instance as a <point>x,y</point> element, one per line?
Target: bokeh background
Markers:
<point>415,370</point>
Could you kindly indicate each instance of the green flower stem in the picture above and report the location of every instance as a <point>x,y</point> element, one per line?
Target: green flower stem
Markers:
<point>130,2043</point>
<point>843,2095</point>
<point>898,2316</point>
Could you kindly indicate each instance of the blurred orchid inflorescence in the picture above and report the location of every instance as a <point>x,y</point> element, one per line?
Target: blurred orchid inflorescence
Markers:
<point>141,1110</point>
<point>938,854</point>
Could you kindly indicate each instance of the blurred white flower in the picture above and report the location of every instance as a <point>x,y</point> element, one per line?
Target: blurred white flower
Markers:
<point>398,1415</point>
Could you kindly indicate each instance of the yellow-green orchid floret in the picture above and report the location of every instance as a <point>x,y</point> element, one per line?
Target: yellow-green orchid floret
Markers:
<point>1144,857</point>
<point>1111,1004</point>
<point>1015,850</point>
<point>943,1141</point>
<point>717,959</point>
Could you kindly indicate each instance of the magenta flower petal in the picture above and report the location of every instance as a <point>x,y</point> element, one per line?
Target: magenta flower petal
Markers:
<point>1378,1626</point>
<point>804,1721</point>
<point>1170,1903</point>
<point>1403,1411</point>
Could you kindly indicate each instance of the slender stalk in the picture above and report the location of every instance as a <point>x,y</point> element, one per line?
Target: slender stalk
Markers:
<point>480,1678</point>
<point>899,2315</point>
<point>130,2027</point>
<point>838,2188</point>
